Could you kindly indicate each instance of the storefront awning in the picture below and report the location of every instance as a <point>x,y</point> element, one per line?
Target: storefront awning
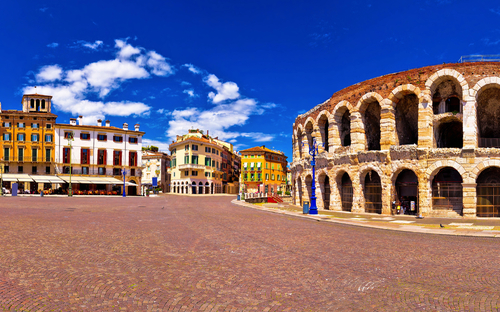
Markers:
<point>16,177</point>
<point>91,180</point>
<point>46,179</point>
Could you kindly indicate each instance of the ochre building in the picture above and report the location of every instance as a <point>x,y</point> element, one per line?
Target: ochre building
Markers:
<point>426,140</point>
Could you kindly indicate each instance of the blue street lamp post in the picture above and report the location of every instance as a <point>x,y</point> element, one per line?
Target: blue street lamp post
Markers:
<point>124,172</point>
<point>313,150</point>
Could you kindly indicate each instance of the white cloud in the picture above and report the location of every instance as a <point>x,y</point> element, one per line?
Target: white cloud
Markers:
<point>192,68</point>
<point>185,83</point>
<point>53,45</point>
<point>190,92</point>
<point>92,46</point>
<point>70,88</point>
<point>162,146</point>
<point>160,111</point>
<point>49,73</point>
<point>43,9</point>
<point>225,91</point>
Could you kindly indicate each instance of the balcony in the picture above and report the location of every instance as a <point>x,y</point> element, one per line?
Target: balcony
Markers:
<point>192,166</point>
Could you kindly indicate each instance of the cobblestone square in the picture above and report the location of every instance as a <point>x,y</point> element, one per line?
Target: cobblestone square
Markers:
<point>202,253</point>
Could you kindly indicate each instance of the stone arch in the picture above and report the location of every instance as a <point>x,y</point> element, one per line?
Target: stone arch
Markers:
<point>373,195</point>
<point>324,183</point>
<point>485,164</point>
<point>397,94</point>
<point>435,79</point>
<point>299,141</point>
<point>404,106</point>
<point>342,120</point>
<point>309,129</point>
<point>344,191</point>
<point>433,169</point>
<point>447,186</point>
<point>406,189</point>
<point>487,192</point>
<point>323,124</point>
<point>367,99</point>
<point>370,108</point>
<point>486,94</point>
<point>445,132</point>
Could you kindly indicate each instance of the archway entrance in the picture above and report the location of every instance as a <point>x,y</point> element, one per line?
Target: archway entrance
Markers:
<point>207,188</point>
<point>326,192</point>
<point>309,188</point>
<point>346,192</point>
<point>193,188</point>
<point>447,191</point>
<point>407,192</point>
<point>132,189</point>
<point>450,134</point>
<point>488,193</point>
<point>371,122</point>
<point>373,193</point>
<point>200,188</point>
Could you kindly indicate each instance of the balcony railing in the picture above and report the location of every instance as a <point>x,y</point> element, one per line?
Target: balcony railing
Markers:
<point>192,166</point>
<point>28,159</point>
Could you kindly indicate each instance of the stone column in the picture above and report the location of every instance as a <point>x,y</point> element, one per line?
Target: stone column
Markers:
<point>387,124</point>
<point>386,194</point>
<point>358,138</point>
<point>358,199</point>
<point>470,123</point>
<point>469,200</point>
<point>424,196</point>
<point>425,121</point>
<point>335,198</point>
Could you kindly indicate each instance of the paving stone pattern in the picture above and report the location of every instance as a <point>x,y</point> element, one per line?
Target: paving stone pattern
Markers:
<point>206,254</point>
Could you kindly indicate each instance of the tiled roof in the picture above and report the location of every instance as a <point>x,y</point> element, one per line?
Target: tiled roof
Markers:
<point>262,149</point>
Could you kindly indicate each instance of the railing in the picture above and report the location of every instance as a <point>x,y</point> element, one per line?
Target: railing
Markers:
<point>480,58</point>
<point>489,142</point>
<point>192,166</point>
<point>28,159</point>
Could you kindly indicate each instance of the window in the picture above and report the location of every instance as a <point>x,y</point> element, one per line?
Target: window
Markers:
<point>267,165</point>
<point>6,136</point>
<point>278,177</point>
<point>85,170</point>
<point>6,169</point>
<point>68,134</point>
<point>194,173</point>
<point>132,172</point>
<point>33,169</point>
<point>32,103</point>
<point>47,154</point>
<point>20,124</point>
<point>213,150</point>
<point>117,158</point>
<point>186,147</point>
<point>186,159</point>
<point>102,171</point>
<point>132,159</point>
<point>208,161</point>
<point>194,160</point>
<point>20,154</point>
<point>133,140</point>
<point>213,163</point>
<point>207,174</point>
<point>258,177</point>
<point>186,173</point>
<point>48,126</point>
<point>34,126</point>
<point>101,157</point>
<point>102,137</point>
<point>272,176</point>
<point>252,176</point>
<point>21,137</point>
<point>34,138</point>
<point>85,136</point>
<point>194,147</point>
<point>217,152</point>
<point>116,171</point>
<point>117,138</point>
<point>207,149</point>
<point>47,169</point>
<point>6,124</point>
<point>48,138</point>
<point>267,176</point>
<point>66,169</point>
<point>85,156</point>
<point>34,154</point>
<point>66,155</point>
<point>20,169</point>
<point>174,163</point>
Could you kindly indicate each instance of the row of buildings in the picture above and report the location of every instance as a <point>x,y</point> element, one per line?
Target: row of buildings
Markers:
<point>39,154</point>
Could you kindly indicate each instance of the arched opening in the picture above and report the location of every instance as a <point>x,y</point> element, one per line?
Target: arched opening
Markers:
<point>447,97</point>
<point>346,192</point>
<point>450,134</point>
<point>200,188</point>
<point>488,114</point>
<point>309,188</point>
<point>212,188</point>
<point>407,192</point>
<point>299,142</point>
<point>343,121</point>
<point>488,193</point>
<point>37,105</point>
<point>32,103</point>
<point>207,188</point>
<point>323,129</point>
<point>373,193</point>
<point>43,104</point>
<point>193,188</point>
<point>447,190</point>
<point>324,181</point>
<point>309,134</point>
<point>407,120</point>
<point>132,189</point>
<point>371,121</point>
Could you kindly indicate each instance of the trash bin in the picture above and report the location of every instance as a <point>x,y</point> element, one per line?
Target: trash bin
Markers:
<point>41,194</point>
<point>239,197</point>
<point>305,207</point>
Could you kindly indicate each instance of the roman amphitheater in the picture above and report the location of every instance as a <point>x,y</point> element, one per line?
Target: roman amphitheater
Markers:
<point>426,139</point>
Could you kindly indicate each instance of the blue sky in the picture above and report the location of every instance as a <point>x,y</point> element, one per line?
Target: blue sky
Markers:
<point>241,69</point>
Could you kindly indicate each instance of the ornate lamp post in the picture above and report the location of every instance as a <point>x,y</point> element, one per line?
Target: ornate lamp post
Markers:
<point>124,172</point>
<point>70,139</point>
<point>313,150</point>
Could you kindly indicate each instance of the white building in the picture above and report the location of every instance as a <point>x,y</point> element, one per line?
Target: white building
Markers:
<point>97,155</point>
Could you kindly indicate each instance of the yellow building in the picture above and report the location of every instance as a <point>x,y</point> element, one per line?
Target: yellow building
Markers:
<point>27,139</point>
<point>263,170</point>
<point>196,166</point>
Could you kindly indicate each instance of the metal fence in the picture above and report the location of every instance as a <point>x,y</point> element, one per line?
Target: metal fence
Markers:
<point>480,58</point>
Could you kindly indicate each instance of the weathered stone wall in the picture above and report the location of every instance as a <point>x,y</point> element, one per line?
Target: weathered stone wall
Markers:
<point>414,108</point>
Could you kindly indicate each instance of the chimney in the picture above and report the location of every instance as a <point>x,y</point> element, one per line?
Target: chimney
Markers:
<point>80,120</point>
<point>99,122</point>
<point>207,132</point>
<point>125,126</point>
<point>72,121</point>
<point>136,127</point>
<point>108,123</point>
